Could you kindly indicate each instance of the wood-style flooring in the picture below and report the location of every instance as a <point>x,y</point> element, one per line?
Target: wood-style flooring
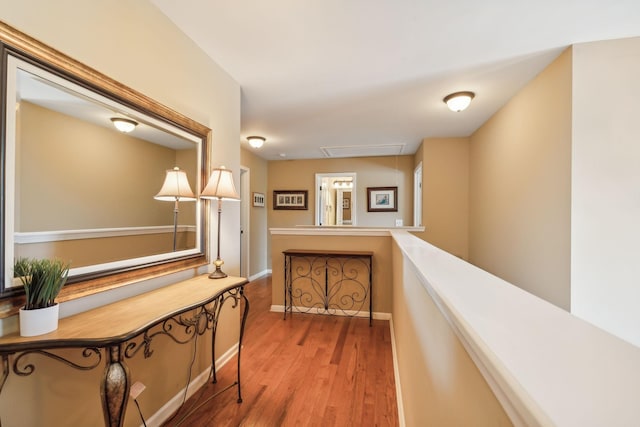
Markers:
<point>308,370</point>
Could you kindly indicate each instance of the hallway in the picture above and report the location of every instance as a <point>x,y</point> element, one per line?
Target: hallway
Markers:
<point>308,370</point>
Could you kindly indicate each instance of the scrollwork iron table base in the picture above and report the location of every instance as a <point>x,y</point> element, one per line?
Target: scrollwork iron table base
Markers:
<point>328,282</point>
<point>118,331</point>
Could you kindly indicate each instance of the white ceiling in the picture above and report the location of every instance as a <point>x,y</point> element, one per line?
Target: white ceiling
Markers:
<point>332,76</point>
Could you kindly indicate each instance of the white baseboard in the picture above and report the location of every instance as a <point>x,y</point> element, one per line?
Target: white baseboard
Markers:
<point>196,383</point>
<point>396,374</point>
<point>259,275</point>
<point>347,313</point>
<point>381,316</point>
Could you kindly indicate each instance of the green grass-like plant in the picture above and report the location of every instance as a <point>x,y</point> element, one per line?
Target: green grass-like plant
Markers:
<point>42,279</point>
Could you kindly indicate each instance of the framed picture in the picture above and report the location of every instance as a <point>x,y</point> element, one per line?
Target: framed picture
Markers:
<point>258,200</point>
<point>290,199</point>
<point>382,199</point>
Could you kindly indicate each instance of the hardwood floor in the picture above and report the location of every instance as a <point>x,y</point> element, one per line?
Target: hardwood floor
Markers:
<point>308,370</point>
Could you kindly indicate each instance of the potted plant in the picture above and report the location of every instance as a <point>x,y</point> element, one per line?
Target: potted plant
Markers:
<point>42,280</point>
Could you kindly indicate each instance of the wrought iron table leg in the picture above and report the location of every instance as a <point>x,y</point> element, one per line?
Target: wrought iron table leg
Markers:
<point>5,370</point>
<point>115,387</point>
<point>287,278</point>
<point>242,324</point>
<point>371,291</point>
<point>214,330</point>
<point>5,374</point>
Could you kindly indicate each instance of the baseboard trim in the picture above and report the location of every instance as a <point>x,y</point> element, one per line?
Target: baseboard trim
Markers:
<point>396,374</point>
<point>163,414</point>
<point>259,275</point>
<point>348,313</point>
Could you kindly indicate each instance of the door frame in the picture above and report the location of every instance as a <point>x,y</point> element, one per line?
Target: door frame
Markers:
<point>417,195</point>
<point>320,194</point>
<point>245,221</point>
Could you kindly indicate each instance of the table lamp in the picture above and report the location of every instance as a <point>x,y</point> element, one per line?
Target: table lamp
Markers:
<point>220,186</point>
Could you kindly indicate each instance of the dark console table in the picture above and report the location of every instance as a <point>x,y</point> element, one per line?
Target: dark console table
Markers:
<point>118,331</point>
<point>328,282</point>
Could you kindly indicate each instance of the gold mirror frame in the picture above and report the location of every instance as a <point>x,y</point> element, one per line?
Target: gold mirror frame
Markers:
<point>19,44</point>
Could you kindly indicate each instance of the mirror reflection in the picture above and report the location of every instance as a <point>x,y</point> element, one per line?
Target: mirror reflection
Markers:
<point>83,191</point>
<point>336,199</point>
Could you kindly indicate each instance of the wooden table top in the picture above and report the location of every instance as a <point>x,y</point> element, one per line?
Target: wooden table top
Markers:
<point>326,252</point>
<point>123,320</point>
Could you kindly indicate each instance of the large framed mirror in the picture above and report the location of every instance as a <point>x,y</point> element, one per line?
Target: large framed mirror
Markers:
<point>76,188</point>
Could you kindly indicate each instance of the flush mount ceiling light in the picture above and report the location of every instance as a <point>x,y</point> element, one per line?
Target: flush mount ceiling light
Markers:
<point>458,101</point>
<point>124,125</point>
<point>256,141</point>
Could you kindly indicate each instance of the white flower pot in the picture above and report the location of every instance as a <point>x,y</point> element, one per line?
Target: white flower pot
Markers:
<point>38,322</point>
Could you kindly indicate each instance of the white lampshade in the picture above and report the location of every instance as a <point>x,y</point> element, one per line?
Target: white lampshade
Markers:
<point>220,185</point>
<point>176,187</point>
<point>124,125</point>
<point>458,101</point>
<point>256,141</point>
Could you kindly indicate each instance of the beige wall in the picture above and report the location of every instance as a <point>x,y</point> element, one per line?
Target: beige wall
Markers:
<point>258,215</point>
<point>93,177</point>
<point>520,187</point>
<point>605,186</point>
<point>445,193</point>
<point>441,385</point>
<point>388,171</point>
<point>187,160</point>
<point>92,251</point>
<point>391,171</point>
<point>381,246</point>
<point>143,50</point>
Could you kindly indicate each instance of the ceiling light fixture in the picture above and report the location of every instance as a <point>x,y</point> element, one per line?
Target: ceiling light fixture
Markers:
<point>124,125</point>
<point>458,101</point>
<point>256,141</point>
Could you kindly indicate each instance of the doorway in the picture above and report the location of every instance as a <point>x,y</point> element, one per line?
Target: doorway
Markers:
<point>417,196</point>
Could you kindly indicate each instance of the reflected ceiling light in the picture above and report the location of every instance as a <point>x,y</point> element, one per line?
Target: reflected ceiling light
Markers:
<point>124,125</point>
<point>458,101</point>
<point>256,141</point>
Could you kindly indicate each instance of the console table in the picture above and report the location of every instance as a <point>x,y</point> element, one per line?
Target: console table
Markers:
<point>328,282</point>
<point>118,331</point>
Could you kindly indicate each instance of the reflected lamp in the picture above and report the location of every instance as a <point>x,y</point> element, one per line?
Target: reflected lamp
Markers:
<point>256,141</point>
<point>124,125</point>
<point>175,189</point>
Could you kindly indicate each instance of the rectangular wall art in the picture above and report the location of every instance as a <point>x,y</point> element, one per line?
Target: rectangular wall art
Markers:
<point>258,200</point>
<point>382,199</point>
<point>290,199</point>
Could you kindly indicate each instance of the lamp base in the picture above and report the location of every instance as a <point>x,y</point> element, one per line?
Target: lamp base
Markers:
<point>218,274</point>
